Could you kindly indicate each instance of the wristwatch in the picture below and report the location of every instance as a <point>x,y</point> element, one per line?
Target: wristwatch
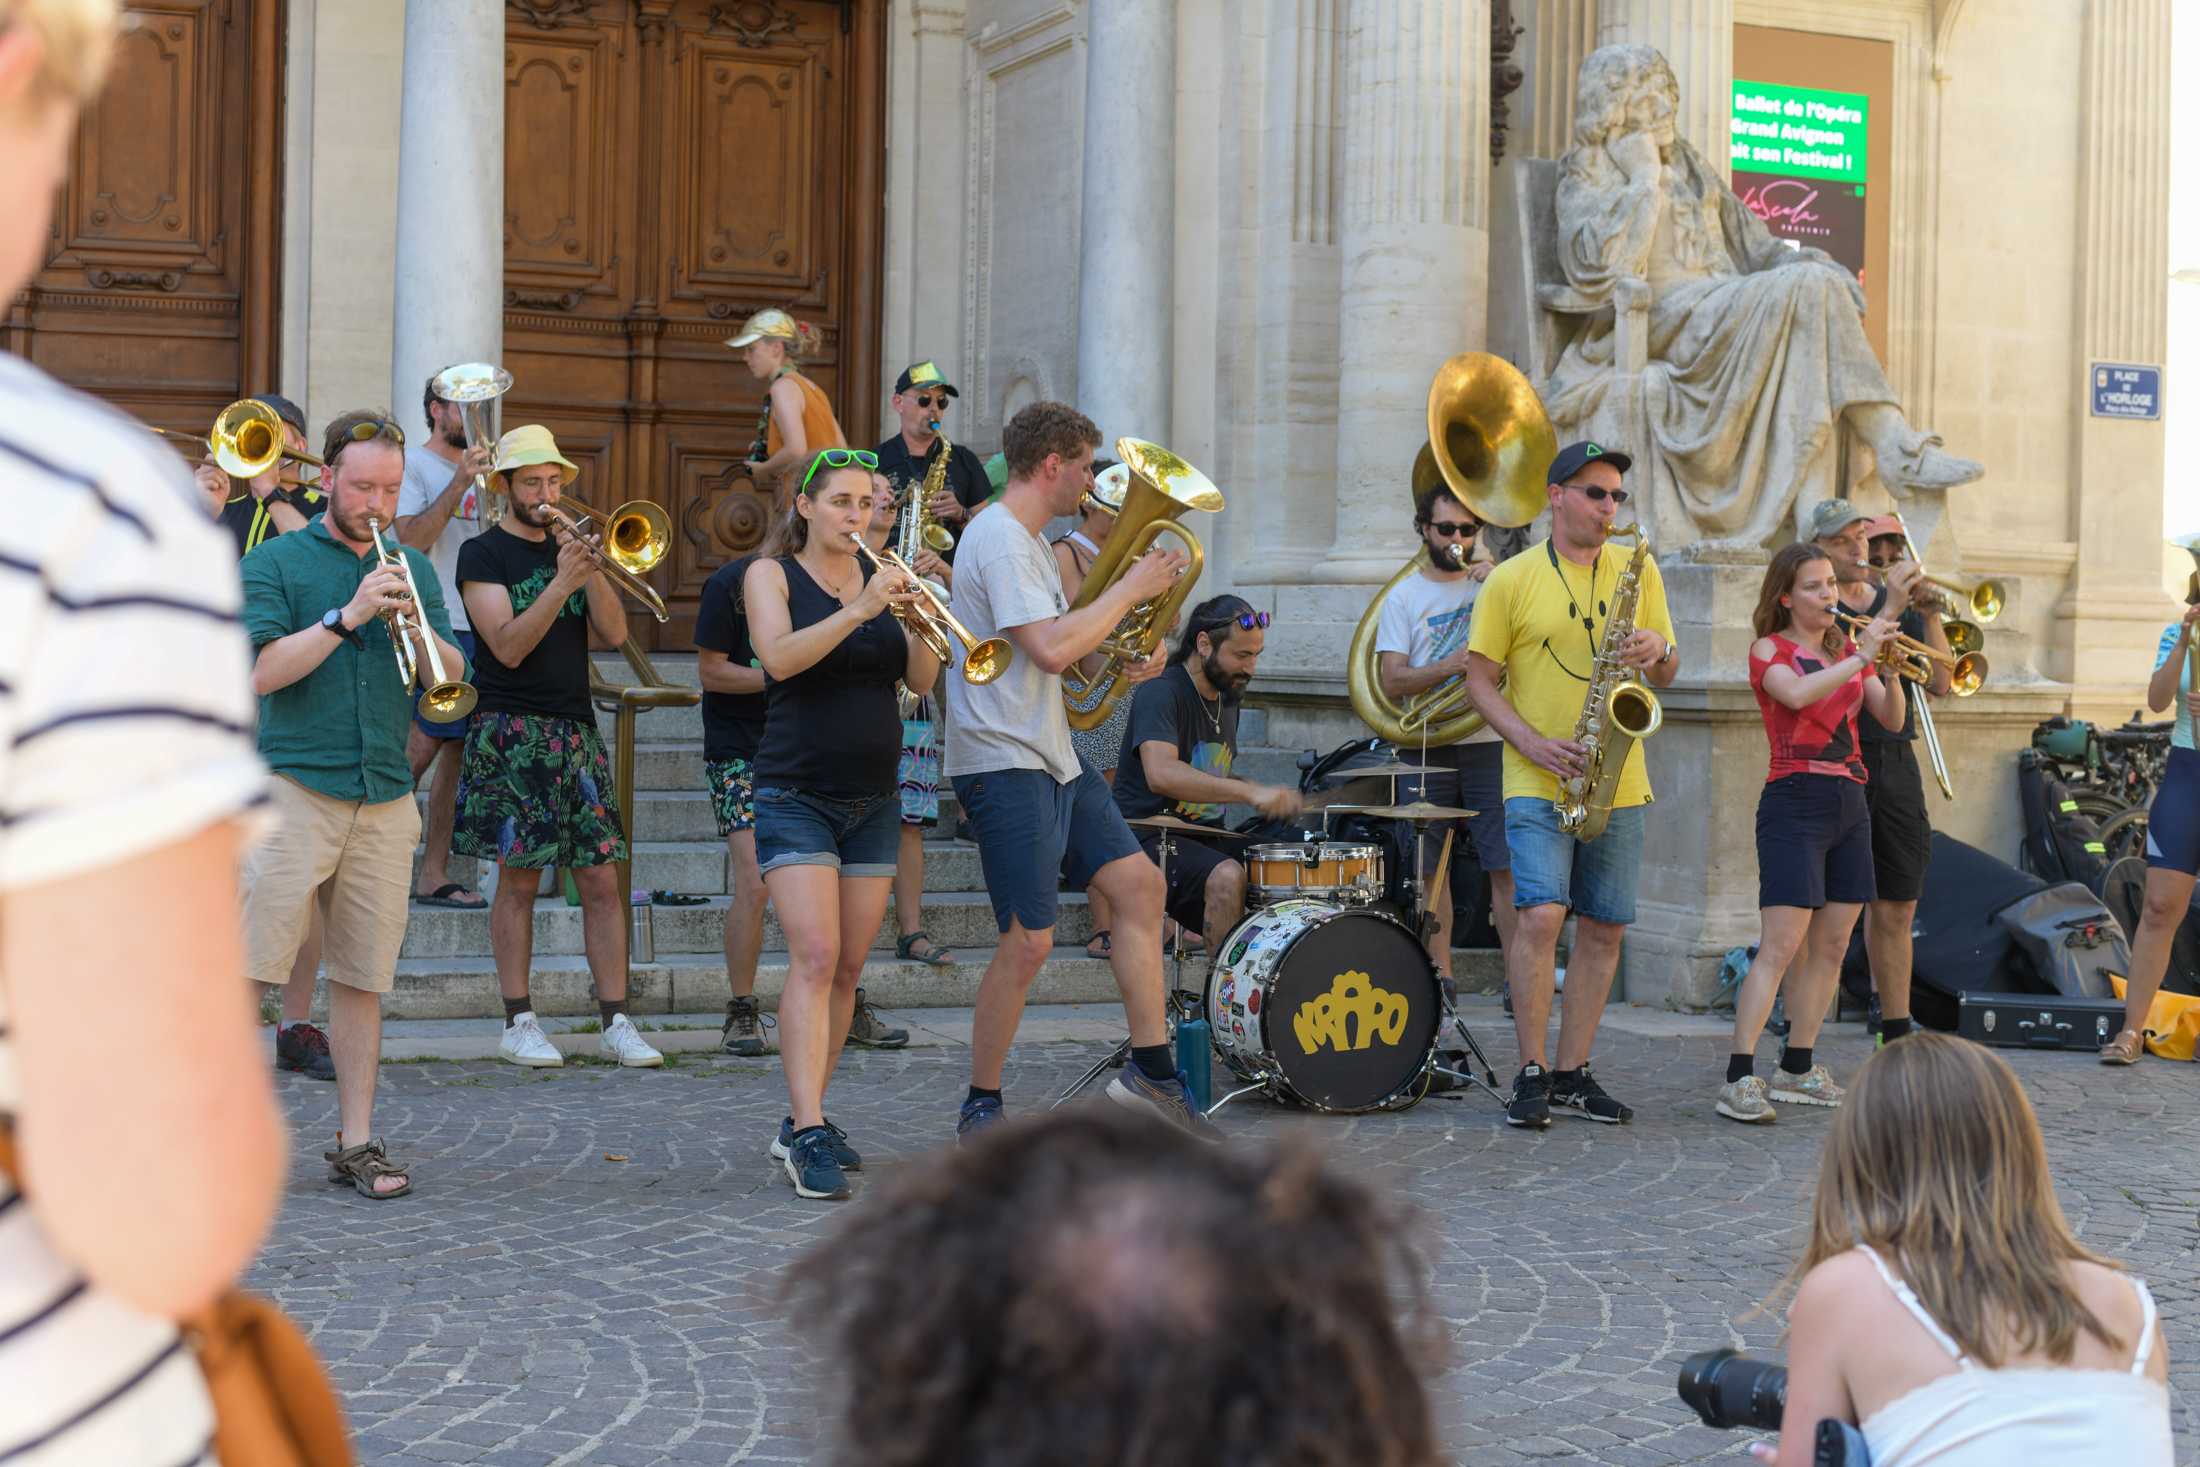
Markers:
<point>1671,647</point>
<point>333,620</point>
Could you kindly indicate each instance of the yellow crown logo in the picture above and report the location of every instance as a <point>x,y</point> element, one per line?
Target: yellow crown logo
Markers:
<point>1353,1014</point>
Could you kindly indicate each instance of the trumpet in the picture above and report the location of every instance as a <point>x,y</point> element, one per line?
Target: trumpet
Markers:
<point>1914,661</point>
<point>929,620</point>
<point>445,699</point>
<point>246,440</point>
<point>636,536</point>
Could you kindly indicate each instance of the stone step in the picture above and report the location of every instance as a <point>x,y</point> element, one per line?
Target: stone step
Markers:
<point>960,920</point>
<point>698,867</point>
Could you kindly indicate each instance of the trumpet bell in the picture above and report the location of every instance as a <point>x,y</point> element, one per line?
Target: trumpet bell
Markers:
<point>986,661</point>
<point>1489,438</point>
<point>1963,636</point>
<point>448,702</point>
<point>1986,601</point>
<point>1969,674</point>
<point>637,534</point>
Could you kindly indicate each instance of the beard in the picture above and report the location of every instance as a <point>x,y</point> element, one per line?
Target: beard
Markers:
<point>536,515</point>
<point>352,524</point>
<point>455,436</point>
<point>1229,687</point>
<point>1440,553</point>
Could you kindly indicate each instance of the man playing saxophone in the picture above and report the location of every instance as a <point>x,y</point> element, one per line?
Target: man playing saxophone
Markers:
<point>1541,621</point>
<point>925,470</point>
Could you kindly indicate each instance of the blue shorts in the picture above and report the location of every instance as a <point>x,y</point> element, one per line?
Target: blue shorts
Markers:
<point>456,728</point>
<point>860,837</point>
<point>1035,833</point>
<point>1597,880</point>
<point>2173,820</point>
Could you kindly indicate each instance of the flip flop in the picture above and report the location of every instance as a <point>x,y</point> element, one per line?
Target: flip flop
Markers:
<point>660,898</point>
<point>441,897</point>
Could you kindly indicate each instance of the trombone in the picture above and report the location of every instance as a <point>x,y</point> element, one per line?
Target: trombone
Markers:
<point>1985,599</point>
<point>246,440</point>
<point>930,620</point>
<point>636,536</point>
<point>1913,661</point>
<point>445,699</point>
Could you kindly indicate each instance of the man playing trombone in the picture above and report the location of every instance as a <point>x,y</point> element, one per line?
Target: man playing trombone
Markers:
<point>1894,788</point>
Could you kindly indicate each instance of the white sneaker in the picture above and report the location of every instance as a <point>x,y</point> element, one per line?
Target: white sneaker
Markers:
<point>624,1043</point>
<point>524,1043</point>
<point>1814,1088</point>
<point>1744,1100</point>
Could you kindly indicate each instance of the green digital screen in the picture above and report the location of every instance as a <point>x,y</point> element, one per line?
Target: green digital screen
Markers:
<point>1800,132</point>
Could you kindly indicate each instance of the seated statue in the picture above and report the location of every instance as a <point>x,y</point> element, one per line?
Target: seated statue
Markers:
<point>1755,350</point>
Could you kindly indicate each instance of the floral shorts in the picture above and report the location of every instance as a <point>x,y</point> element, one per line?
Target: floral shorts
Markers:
<point>536,792</point>
<point>920,772</point>
<point>732,793</point>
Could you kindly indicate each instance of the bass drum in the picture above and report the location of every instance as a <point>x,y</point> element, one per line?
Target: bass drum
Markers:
<point>1337,1007</point>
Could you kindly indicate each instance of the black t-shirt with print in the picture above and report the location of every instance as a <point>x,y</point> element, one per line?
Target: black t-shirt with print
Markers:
<point>1170,710</point>
<point>965,474</point>
<point>733,723</point>
<point>553,679</point>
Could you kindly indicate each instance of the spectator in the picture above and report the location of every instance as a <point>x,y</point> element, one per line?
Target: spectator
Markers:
<point>1092,1288</point>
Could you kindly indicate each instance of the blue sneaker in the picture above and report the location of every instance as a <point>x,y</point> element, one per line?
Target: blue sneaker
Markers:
<point>976,1116</point>
<point>1165,1099</point>
<point>810,1166</point>
<point>836,1140</point>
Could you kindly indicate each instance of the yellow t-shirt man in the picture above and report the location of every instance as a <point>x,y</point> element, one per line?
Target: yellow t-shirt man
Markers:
<point>1541,618</point>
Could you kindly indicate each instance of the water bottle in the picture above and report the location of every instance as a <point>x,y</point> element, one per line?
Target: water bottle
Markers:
<point>1195,1061</point>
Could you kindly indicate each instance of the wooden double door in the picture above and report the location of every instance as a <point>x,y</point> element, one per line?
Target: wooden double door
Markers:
<point>670,167</point>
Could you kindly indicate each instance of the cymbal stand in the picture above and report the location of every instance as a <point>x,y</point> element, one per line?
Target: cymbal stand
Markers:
<point>1121,1054</point>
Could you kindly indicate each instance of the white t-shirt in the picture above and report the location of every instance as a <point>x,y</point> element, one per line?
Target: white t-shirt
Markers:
<point>1428,621</point>
<point>125,726</point>
<point>1005,576</point>
<point>426,477</point>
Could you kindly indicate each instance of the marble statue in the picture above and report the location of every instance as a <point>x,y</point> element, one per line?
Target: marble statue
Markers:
<point>1753,352</point>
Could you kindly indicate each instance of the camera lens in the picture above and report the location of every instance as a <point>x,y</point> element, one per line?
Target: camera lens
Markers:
<point>1727,1389</point>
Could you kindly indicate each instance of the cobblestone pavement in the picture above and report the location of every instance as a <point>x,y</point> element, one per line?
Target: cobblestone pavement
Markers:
<point>540,1302</point>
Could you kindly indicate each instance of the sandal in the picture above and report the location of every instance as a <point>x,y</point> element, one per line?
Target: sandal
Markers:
<point>362,1166</point>
<point>931,957</point>
<point>1107,944</point>
<point>447,895</point>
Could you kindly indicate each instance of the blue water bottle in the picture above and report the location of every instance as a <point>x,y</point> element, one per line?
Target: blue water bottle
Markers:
<point>1195,1061</point>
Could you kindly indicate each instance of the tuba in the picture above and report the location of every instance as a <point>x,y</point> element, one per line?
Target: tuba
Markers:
<point>1489,443</point>
<point>1618,713</point>
<point>1161,485</point>
<point>478,389</point>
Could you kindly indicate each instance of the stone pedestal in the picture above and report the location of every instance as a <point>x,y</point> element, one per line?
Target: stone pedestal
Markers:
<point>1128,235</point>
<point>450,196</point>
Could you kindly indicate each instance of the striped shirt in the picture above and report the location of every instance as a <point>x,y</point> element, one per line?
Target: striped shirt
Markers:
<point>125,726</point>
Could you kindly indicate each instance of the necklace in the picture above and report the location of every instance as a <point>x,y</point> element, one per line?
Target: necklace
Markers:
<point>1212,709</point>
<point>1573,606</point>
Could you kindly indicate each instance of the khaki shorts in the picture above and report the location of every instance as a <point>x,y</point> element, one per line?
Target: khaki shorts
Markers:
<point>364,854</point>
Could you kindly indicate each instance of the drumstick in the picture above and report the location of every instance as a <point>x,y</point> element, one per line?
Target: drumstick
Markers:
<point>1443,869</point>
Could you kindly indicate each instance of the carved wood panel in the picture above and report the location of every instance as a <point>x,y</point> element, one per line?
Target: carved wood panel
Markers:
<point>159,289</point>
<point>670,167</point>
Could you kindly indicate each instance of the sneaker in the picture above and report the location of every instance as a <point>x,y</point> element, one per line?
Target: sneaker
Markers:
<point>1582,1095</point>
<point>524,1043</point>
<point>976,1116</point>
<point>1744,1100</point>
<point>1531,1102</point>
<point>624,1043</point>
<point>744,1031</point>
<point>836,1141</point>
<point>869,1029</point>
<point>810,1166</point>
<point>1134,1089</point>
<point>2124,1049</point>
<point>1814,1088</point>
<point>304,1048</point>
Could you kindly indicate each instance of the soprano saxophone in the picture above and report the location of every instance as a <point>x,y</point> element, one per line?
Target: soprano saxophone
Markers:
<point>1618,712</point>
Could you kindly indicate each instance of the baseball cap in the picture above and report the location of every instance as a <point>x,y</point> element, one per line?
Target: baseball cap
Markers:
<point>529,444</point>
<point>1832,517</point>
<point>1574,456</point>
<point>769,322</point>
<point>923,374</point>
<point>285,409</point>
<point>1886,524</point>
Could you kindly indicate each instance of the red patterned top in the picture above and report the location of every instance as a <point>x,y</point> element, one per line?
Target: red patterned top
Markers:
<point>1818,739</point>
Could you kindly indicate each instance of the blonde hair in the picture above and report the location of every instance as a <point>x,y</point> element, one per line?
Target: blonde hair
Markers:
<point>1936,1164</point>
<point>78,38</point>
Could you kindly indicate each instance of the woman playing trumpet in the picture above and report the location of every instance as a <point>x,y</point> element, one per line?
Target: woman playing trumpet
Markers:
<point>1814,842</point>
<point>828,809</point>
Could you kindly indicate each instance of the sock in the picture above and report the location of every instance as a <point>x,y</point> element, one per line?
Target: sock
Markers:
<point>611,1008</point>
<point>1892,1029</point>
<point>514,1007</point>
<point>1740,1067</point>
<point>1560,1079</point>
<point>1154,1061</point>
<point>1795,1061</point>
<point>979,1092</point>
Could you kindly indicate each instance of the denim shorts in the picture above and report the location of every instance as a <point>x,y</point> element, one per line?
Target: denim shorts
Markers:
<point>860,837</point>
<point>1036,834</point>
<point>1597,880</point>
<point>456,728</point>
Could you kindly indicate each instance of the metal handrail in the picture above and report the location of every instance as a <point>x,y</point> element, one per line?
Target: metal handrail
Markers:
<point>627,700</point>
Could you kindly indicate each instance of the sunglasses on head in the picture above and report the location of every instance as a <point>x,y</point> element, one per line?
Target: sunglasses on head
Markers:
<point>1249,620</point>
<point>1599,493</point>
<point>367,428</point>
<point>837,458</point>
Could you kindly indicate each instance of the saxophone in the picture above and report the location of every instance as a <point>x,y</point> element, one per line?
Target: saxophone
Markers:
<point>916,529</point>
<point>1618,712</point>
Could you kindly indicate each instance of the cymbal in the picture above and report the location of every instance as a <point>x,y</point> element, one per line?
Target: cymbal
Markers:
<point>1418,810</point>
<point>1170,822</point>
<point>1377,771</point>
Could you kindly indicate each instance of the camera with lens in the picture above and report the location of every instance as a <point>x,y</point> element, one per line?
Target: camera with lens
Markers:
<point>1729,1390</point>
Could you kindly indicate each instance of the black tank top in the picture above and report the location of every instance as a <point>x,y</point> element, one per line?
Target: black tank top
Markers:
<point>834,728</point>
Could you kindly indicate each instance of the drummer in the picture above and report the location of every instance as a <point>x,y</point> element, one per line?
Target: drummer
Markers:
<point>1177,755</point>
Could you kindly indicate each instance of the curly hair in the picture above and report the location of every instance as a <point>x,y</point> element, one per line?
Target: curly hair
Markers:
<point>1611,78</point>
<point>1041,429</point>
<point>1091,1288</point>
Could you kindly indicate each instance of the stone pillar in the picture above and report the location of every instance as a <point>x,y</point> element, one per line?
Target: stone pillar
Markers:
<point>2109,619</point>
<point>450,196</point>
<point>926,201</point>
<point>1560,34</point>
<point>1126,262</point>
<point>1414,242</point>
<point>1697,37</point>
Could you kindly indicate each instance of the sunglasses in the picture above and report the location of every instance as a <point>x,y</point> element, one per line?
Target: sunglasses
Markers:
<point>837,458</point>
<point>1248,620</point>
<point>927,400</point>
<point>368,428</point>
<point>1599,494</point>
<point>1448,528</point>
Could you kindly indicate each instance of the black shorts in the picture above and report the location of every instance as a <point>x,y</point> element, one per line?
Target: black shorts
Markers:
<point>1814,842</point>
<point>1469,777</point>
<point>1902,836</point>
<point>1191,862</point>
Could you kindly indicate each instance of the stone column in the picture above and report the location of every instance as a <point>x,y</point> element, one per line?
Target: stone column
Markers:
<point>1560,34</point>
<point>1414,241</point>
<point>926,199</point>
<point>1125,280</point>
<point>2108,620</point>
<point>1697,37</point>
<point>450,196</point>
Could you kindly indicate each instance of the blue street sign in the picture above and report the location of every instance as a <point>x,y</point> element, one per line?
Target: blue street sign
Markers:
<point>2122,391</point>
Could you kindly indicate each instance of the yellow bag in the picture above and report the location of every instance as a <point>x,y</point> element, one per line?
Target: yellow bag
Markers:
<point>2173,1022</point>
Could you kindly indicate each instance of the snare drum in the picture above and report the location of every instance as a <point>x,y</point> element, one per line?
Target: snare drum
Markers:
<point>1336,1007</point>
<point>1329,871</point>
